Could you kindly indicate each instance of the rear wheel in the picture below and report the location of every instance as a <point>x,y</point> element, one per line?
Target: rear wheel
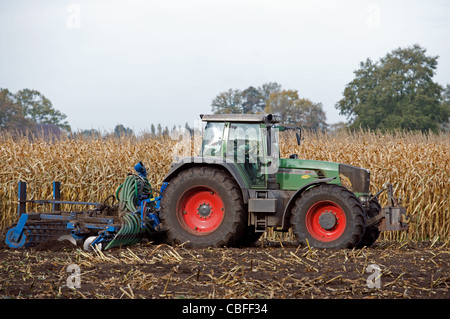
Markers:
<point>203,206</point>
<point>328,216</point>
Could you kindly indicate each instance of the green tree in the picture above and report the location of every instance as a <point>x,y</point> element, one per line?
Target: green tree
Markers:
<point>313,116</point>
<point>37,108</point>
<point>297,111</point>
<point>446,105</point>
<point>121,130</point>
<point>11,114</point>
<point>396,92</point>
<point>165,133</point>
<point>251,100</point>
<point>228,102</point>
<point>267,89</point>
<point>92,133</point>
<point>153,130</point>
<point>159,129</point>
<point>284,104</point>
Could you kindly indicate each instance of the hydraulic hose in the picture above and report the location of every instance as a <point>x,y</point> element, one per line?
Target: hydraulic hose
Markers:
<point>134,188</point>
<point>128,193</point>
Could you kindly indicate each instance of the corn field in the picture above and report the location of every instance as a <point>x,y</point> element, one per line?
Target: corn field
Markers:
<point>91,168</point>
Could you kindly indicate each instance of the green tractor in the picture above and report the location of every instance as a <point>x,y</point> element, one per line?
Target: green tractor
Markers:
<point>239,186</point>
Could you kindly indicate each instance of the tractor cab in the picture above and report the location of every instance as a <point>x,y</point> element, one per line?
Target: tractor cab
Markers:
<point>249,141</point>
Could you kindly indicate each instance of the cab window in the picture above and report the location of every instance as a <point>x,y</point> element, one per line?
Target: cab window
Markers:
<point>244,147</point>
<point>212,139</point>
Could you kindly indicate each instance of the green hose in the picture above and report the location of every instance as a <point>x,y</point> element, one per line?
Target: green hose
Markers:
<point>131,231</point>
<point>128,192</point>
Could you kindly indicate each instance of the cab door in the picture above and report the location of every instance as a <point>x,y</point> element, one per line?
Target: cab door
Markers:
<point>245,148</point>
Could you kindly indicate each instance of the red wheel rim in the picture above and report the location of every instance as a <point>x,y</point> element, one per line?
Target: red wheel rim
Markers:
<point>325,221</point>
<point>200,210</point>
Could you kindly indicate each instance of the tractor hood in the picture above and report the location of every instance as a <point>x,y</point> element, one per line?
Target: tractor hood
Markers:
<point>356,179</point>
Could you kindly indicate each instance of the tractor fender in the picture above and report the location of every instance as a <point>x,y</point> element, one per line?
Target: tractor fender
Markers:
<point>298,193</point>
<point>219,163</point>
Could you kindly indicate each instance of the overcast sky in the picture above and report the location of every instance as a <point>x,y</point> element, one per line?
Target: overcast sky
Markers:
<point>140,62</point>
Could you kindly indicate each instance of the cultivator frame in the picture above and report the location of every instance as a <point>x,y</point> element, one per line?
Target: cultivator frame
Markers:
<point>92,227</point>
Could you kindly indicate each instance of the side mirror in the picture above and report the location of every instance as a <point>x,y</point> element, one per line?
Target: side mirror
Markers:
<point>297,134</point>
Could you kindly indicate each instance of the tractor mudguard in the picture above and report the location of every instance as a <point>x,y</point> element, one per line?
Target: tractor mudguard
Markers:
<point>189,162</point>
<point>291,202</point>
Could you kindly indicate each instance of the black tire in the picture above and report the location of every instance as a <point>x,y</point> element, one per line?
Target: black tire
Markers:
<point>372,232</point>
<point>203,206</point>
<point>328,216</point>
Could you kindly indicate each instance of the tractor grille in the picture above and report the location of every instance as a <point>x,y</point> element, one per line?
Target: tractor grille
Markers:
<point>359,177</point>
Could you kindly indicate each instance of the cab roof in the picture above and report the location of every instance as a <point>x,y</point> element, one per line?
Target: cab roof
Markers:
<point>254,118</point>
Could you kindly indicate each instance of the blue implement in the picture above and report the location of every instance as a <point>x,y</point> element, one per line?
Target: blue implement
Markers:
<point>136,216</point>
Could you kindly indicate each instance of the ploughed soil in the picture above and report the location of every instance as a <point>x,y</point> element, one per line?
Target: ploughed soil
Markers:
<point>266,270</point>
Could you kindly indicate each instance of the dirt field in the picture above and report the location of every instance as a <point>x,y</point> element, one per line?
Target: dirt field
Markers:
<point>272,270</point>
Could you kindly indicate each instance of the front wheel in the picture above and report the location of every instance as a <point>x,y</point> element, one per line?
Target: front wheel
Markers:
<point>328,216</point>
<point>202,207</point>
<point>372,232</point>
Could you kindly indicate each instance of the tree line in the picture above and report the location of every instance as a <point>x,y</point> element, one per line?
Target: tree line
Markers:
<point>24,109</point>
<point>122,131</point>
<point>270,98</point>
<point>28,110</point>
<point>395,92</point>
